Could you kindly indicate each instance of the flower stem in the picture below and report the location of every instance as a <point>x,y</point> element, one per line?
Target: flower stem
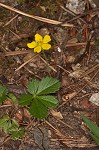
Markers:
<point>47,63</point>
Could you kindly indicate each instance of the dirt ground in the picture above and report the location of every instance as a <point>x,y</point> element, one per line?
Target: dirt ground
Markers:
<point>73,59</point>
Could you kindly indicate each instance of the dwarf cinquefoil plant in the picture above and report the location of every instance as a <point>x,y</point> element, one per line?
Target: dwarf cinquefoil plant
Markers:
<point>11,127</point>
<point>38,98</point>
<point>40,43</point>
<point>3,93</point>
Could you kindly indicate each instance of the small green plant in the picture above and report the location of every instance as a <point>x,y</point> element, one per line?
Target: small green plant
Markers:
<point>8,125</point>
<point>94,129</point>
<point>38,98</point>
<point>97,42</point>
<point>3,93</point>
<point>11,127</point>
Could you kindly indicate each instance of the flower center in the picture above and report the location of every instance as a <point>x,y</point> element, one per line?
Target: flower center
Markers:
<point>39,43</point>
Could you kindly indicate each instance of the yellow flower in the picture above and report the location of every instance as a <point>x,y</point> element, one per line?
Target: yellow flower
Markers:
<point>40,43</point>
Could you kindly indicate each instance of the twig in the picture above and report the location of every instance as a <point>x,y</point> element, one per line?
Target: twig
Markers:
<point>11,20</point>
<point>66,71</point>
<point>3,106</point>
<point>50,21</point>
<point>84,14</point>
<point>72,13</point>
<point>20,52</point>
<point>26,63</point>
<point>70,142</point>
<point>32,73</point>
<point>14,53</point>
<point>78,44</point>
<point>48,64</point>
<point>62,122</point>
<point>6,140</point>
<point>89,71</point>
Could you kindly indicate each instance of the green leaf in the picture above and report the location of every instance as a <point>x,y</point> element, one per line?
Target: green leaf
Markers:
<point>48,101</point>
<point>25,99</point>
<point>93,128</point>
<point>95,139</point>
<point>10,126</point>
<point>33,86</point>
<point>40,102</point>
<point>14,123</point>
<point>3,93</point>
<point>48,85</point>
<point>12,97</point>
<point>17,132</point>
<point>3,90</point>
<point>97,42</point>
<point>38,110</point>
<point>7,126</point>
<point>3,121</point>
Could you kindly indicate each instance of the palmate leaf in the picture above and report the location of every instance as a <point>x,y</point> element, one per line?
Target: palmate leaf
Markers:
<point>13,98</point>
<point>25,99</point>
<point>48,101</point>
<point>40,102</point>
<point>3,121</point>
<point>48,85</point>
<point>3,93</point>
<point>3,90</point>
<point>93,128</point>
<point>16,132</point>
<point>10,126</point>
<point>38,110</point>
<point>33,86</point>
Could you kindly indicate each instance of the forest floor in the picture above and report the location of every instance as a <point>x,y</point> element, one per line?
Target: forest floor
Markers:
<point>73,59</point>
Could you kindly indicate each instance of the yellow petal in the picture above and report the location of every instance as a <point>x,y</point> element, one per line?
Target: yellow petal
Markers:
<point>37,49</point>
<point>46,46</point>
<point>46,39</point>
<point>38,38</point>
<point>32,44</point>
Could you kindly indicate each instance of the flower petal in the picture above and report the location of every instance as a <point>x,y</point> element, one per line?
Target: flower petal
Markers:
<point>32,44</point>
<point>38,37</point>
<point>37,49</point>
<point>46,39</point>
<point>46,46</point>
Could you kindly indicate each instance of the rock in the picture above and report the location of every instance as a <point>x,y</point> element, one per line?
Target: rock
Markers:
<point>95,99</point>
<point>77,6</point>
<point>73,40</point>
<point>43,31</point>
<point>76,74</point>
<point>94,3</point>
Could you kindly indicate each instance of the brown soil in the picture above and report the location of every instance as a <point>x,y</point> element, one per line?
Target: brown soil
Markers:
<point>67,131</point>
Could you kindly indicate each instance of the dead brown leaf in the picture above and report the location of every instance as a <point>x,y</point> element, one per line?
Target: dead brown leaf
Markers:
<point>56,114</point>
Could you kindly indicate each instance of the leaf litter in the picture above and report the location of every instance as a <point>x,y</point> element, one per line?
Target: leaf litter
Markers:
<point>75,91</point>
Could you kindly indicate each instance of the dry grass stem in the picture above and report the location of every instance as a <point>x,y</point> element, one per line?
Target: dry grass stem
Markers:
<point>26,63</point>
<point>48,64</point>
<point>36,17</point>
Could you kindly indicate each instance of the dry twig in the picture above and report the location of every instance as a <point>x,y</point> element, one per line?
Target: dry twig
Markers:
<point>36,17</point>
